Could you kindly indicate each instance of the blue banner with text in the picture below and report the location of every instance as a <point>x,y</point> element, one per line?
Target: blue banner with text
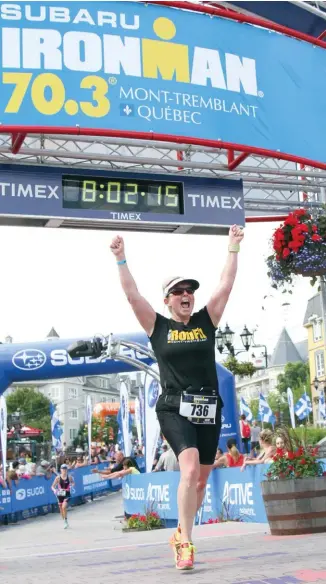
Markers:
<point>140,67</point>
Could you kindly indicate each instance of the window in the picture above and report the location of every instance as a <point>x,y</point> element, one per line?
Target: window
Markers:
<point>54,392</point>
<point>72,393</point>
<point>73,414</point>
<point>317,330</point>
<point>320,364</point>
<point>73,433</point>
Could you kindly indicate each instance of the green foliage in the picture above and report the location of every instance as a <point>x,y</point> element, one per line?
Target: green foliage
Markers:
<point>34,409</point>
<point>308,435</point>
<point>239,368</point>
<point>100,433</point>
<point>296,376</point>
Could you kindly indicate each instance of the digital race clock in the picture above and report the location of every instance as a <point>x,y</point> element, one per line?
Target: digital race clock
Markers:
<point>146,196</point>
<point>81,198</point>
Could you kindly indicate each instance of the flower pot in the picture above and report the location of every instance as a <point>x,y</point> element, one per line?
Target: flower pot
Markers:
<point>295,506</point>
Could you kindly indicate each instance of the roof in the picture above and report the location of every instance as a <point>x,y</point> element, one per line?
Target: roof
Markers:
<point>52,334</point>
<point>285,351</point>
<point>313,308</point>
<point>302,348</point>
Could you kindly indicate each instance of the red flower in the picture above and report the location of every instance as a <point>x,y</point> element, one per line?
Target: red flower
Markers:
<point>316,237</point>
<point>291,467</point>
<point>142,518</point>
<point>299,212</point>
<point>279,234</point>
<point>303,461</point>
<point>291,455</point>
<point>291,220</point>
<point>314,228</point>
<point>286,253</point>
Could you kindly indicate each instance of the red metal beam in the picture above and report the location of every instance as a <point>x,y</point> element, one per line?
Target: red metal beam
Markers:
<point>267,219</point>
<point>242,18</point>
<point>218,144</point>
<point>17,140</point>
<point>234,162</point>
<point>322,35</point>
<point>180,157</point>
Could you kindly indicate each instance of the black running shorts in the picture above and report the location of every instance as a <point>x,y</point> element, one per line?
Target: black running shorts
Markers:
<point>181,434</point>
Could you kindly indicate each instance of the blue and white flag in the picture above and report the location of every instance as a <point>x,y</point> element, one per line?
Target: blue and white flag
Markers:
<point>245,409</point>
<point>3,433</point>
<point>56,428</point>
<point>265,413</point>
<point>322,406</point>
<point>89,424</point>
<point>291,406</point>
<point>303,407</point>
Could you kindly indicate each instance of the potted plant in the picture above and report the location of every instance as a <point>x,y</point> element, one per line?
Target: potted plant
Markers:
<point>294,493</point>
<point>299,246</point>
<point>146,522</point>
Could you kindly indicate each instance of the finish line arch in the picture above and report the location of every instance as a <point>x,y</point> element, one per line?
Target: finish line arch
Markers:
<point>51,360</point>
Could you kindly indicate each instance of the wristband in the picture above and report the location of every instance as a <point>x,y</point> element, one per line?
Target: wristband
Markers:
<point>121,262</point>
<point>234,247</point>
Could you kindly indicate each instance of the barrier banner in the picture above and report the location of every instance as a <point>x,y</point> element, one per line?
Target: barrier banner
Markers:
<point>152,426</point>
<point>230,494</point>
<point>146,68</point>
<point>5,501</point>
<point>155,491</point>
<point>31,493</point>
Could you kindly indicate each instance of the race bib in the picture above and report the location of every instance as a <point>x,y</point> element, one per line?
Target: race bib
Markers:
<point>199,409</point>
<point>62,493</point>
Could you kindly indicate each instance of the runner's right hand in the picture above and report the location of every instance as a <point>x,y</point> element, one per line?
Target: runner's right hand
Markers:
<point>117,246</point>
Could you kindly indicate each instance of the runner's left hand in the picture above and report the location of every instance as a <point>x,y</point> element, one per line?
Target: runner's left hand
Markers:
<point>236,234</point>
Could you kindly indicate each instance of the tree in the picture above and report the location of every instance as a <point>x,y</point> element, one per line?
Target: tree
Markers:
<point>106,432</point>
<point>296,376</point>
<point>238,367</point>
<point>34,408</point>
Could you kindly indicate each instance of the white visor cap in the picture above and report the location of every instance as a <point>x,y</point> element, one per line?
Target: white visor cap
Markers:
<point>170,283</point>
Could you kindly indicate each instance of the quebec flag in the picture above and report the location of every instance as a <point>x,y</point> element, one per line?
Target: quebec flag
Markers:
<point>245,409</point>
<point>322,406</point>
<point>56,429</point>
<point>303,407</point>
<point>265,413</point>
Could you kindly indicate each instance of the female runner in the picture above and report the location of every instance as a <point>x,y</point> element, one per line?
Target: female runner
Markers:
<point>62,489</point>
<point>189,408</point>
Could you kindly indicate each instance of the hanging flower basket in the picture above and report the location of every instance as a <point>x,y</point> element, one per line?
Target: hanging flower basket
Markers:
<point>299,246</point>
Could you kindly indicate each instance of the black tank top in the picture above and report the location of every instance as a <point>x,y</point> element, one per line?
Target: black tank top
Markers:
<point>186,354</point>
<point>64,484</point>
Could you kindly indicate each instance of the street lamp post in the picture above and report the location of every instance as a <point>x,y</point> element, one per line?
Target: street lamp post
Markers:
<point>225,339</point>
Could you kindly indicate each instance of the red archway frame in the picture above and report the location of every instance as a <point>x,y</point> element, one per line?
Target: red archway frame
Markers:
<point>19,133</point>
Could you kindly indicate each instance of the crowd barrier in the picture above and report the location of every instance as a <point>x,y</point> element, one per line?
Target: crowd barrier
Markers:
<point>230,494</point>
<point>34,496</point>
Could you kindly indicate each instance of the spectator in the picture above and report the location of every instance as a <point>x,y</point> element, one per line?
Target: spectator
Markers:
<point>267,447</point>
<point>231,458</point>
<point>102,456</point>
<point>255,431</point>
<point>245,433</point>
<point>128,468</point>
<point>45,469</point>
<point>282,441</point>
<point>167,461</point>
<point>80,462</point>
<point>218,455</point>
<point>94,458</point>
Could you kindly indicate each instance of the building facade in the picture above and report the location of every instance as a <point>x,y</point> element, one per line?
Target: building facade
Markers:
<point>265,380</point>
<point>314,322</point>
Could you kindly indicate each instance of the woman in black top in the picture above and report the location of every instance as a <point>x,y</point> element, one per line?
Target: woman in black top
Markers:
<point>189,408</point>
<point>62,489</point>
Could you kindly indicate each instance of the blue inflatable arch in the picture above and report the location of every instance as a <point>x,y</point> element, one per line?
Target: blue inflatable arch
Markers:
<point>50,360</point>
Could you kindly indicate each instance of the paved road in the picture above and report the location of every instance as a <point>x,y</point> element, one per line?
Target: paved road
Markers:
<point>94,549</point>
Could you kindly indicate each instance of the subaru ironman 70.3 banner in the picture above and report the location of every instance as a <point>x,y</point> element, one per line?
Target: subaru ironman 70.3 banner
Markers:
<point>145,68</point>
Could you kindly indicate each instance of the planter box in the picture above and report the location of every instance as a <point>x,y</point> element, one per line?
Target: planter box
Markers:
<point>295,506</point>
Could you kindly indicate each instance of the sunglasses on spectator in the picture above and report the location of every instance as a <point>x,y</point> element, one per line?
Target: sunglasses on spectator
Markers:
<point>180,291</point>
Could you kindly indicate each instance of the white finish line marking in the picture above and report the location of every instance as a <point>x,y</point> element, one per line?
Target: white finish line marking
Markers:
<point>120,547</point>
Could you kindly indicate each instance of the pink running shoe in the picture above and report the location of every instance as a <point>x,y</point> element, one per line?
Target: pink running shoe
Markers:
<point>186,556</point>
